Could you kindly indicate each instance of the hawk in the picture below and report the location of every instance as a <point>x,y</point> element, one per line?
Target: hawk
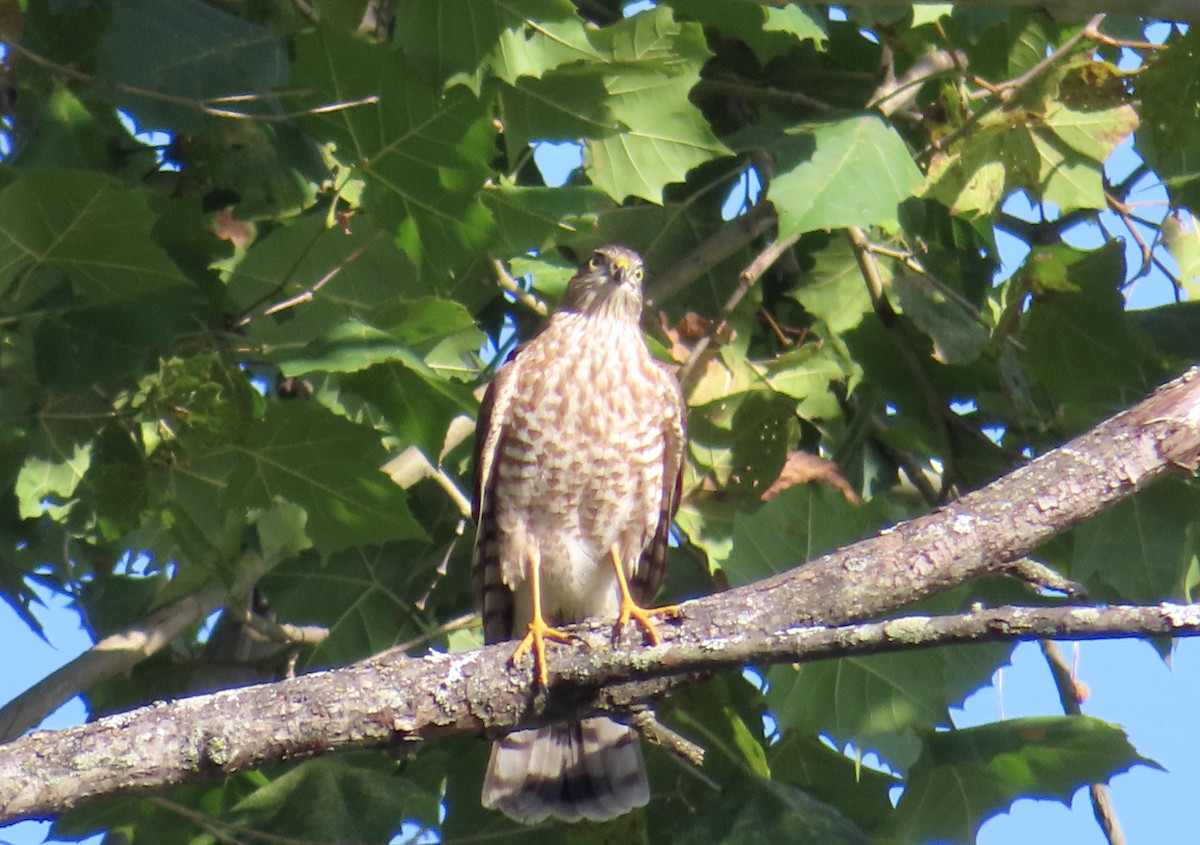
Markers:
<point>578,455</point>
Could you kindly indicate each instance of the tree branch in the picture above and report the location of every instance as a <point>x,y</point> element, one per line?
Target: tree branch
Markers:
<point>727,240</point>
<point>120,652</point>
<point>801,614</point>
<point>400,701</point>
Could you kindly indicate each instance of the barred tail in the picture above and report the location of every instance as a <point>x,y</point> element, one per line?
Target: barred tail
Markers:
<point>591,769</point>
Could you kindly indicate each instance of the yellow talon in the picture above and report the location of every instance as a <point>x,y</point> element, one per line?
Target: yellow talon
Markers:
<point>539,631</point>
<point>644,616</point>
<point>536,638</point>
<point>631,610</point>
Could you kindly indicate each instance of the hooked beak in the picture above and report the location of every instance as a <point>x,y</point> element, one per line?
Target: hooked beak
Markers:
<point>620,268</point>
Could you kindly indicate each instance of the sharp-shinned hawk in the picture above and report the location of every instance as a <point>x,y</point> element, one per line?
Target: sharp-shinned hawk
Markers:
<point>579,449</point>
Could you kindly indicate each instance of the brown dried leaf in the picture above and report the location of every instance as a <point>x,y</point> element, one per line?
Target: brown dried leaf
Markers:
<point>226,226</point>
<point>803,467</point>
<point>690,329</point>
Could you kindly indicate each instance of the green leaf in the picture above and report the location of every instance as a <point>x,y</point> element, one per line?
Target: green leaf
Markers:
<point>281,531</point>
<point>359,798</point>
<point>1143,549</point>
<point>346,348</point>
<point>859,793</point>
<point>972,179</point>
<point>327,275</point>
<point>799,524</point>
<point>1174,328</point>
<point>769,32</point>
<point>1093,133</point>
<point>1032,35</point>
<point>856,173</point>
<point>966,776</point>
<point>875,702</point>
<point>1079,343</point>
<point>708,525</point>
<point>115,485</point>
<point>365,596</point>
<point>433,336</point>
<point>94,343</point>
<point>424,155</point>
<point>265,170</point>
<point>417,403</point>
<point>1170,142</point>
<point>958,337</point>
<point>71,130</point>
<point>762,428</point>
<point>1054,152</point>
<point>753,810</point>
<point>534,218</point>
<point>1182,238</point>
<point>45,482</point>
<point>189,50</point>
<point>467,40</point>
<point>809,373</point>
<point>549,278</point>
<point>441,331</point>
<point>83,228</point>
<point>631,109</point>
<point>305,455</point>
<point>930,13</point>
<point>834,290</point>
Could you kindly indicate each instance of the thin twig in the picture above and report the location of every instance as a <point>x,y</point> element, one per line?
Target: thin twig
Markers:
<point>867,264</point>
<point>1042,577</point>
<point>310,293</point>
<point>458,623</point>
<point>306,8</point>
<point>1005,91</point>
<point>223,830</point>
<point>1071,695</point>
<point>646,723</point>
<point>1122,210</point>
<point>207,105</point>
<point>727,240</point>
<point>746,280</point>
<point>907,462</point>
<point>279,632</point>
<point>934,401</point>
<point>506,282</point>
<point>894,94</point>
<point>724,87</point>
<point>1093,32</point>
<point>909,260</point>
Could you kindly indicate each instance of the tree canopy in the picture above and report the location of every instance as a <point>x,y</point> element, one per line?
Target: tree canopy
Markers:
<point>257,260</point>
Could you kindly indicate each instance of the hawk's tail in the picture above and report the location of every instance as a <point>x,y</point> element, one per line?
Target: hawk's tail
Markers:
<point>591,769</point>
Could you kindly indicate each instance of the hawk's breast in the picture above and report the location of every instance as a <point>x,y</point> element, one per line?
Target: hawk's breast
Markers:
<point>580,467</point>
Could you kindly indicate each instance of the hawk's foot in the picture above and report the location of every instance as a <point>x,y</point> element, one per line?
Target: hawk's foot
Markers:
<point>644,617</point>
<point>535,639</point>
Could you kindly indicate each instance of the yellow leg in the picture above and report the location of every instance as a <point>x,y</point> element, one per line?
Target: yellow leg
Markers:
<point>630,609</point>
<point>539,631</point>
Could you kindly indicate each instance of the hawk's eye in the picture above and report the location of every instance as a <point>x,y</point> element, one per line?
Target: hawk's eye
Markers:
<point>637,275</point>
<point>595,261</point>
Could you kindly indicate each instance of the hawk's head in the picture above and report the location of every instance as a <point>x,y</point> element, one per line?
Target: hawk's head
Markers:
<point>609,283</point>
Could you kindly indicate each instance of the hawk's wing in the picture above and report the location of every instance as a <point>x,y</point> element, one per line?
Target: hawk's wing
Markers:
<point>652,567</point>
<point>494,596</point>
